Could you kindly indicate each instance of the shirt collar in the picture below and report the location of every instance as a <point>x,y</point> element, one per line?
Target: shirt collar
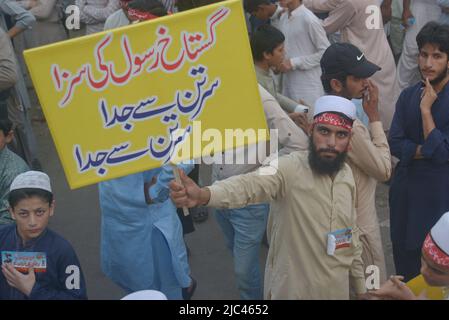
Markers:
<point>261,71</point>
<point>30,244</point>
<point>297,11</point>
<point>277,13</point>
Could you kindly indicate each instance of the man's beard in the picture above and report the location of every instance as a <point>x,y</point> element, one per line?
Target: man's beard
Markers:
<point>440,77</point>
<point>323,165</point>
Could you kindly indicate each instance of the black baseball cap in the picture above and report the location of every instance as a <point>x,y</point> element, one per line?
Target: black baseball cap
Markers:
<point>346,58</point>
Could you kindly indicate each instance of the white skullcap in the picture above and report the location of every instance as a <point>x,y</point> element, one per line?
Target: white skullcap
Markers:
<point>31,179</point>
<point>440,233</point>
<point>145,295</point>
<point>335,104</point>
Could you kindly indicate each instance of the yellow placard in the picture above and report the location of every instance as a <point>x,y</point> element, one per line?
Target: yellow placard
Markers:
<point>418,285</point>
<point>126,100</point>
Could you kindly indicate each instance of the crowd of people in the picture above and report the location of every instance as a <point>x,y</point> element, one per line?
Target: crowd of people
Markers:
<point>356,90</point>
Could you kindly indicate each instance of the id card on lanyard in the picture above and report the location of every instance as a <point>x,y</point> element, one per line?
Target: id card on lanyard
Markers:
<point>338,239</point>
<point>22,261</point>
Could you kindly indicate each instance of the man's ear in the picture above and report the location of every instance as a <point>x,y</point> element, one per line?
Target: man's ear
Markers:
<point>336,85</point>
<point>9,136</point>
<point>349,148</point>
<point>267,56</point>
<point>311,126</point>
<point>11,212</point>
<point>52,208</point>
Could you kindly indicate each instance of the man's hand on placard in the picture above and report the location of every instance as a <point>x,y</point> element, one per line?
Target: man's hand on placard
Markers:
<point>185,194</point>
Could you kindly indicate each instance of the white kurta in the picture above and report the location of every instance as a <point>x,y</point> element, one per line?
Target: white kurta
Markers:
<point>305,43</point>
<point>356,21</point>
<point>423,11</point>
<point>116,20</point>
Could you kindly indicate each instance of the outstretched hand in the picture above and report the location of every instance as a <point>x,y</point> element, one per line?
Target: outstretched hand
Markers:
<point>394,289</point>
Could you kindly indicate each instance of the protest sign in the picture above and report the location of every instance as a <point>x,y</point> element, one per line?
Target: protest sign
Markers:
<point>125,100</point>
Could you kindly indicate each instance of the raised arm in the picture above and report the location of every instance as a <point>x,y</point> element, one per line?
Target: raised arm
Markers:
<point>436,141</point>
<point>370,150</point>
<point>101,14</point>
<point>319,39</point>
<point>264,185</point>
<point>43,8</point>
<point>24,19</point>
<point>321,6</point>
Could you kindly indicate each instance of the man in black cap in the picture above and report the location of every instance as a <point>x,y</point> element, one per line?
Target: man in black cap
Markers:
<point>346,73</point>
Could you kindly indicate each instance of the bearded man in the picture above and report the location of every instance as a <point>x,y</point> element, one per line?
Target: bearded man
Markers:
<point>314,242</point>
<point>419,137</point>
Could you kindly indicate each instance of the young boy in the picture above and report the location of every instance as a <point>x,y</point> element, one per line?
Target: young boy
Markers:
<point>305,43</point>
<point>49,267</point>
<point>267,47</point>
<point>264,10</point>
<point>10,166</point>
<point>434,266</point>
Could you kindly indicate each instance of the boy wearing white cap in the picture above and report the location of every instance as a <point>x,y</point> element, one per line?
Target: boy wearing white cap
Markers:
<point>37,263</point>
<point>314,242</point>
<point>434,265</point>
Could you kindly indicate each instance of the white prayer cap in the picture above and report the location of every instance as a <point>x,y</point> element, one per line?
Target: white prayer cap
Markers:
<point>440,233</point>
<point>31,179</point>
<point>145,295</point>
<point>335,104</point>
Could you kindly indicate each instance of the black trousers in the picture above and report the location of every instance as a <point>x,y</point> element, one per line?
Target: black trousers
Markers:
<point>407,262</point>
<point>187,221</point>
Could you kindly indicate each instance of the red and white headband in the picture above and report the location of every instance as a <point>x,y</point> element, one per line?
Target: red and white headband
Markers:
<point>135,14</point>
<point>333,119</point>
<point>433,252</point>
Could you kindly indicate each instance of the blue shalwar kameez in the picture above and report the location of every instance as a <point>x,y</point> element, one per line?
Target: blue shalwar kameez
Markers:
<point>419,193</point>
<point>142,245</point>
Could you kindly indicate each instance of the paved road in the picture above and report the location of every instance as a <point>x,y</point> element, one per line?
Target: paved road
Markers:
<point>77,218</point>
